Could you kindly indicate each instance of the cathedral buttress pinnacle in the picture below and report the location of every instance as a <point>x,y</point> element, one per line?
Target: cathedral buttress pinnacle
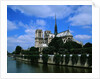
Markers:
<point>55,32</point>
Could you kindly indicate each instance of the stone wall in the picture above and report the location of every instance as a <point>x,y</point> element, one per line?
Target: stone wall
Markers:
<point>51,57</point>
<point>50,61</point>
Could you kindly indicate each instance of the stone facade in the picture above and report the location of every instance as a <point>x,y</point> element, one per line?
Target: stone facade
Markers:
<point>38,38</point>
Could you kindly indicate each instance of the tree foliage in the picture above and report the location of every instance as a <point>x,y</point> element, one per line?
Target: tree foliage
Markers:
<point>34,58</point>
<point>18,49</point>
<point>90,60</point>
<point>74,59</point>
<point>87,45</point>
<point>48,50</point>
<point>57,59</point>
<point>56,43</point>
<point>67,58</point>
<point>45,50</point>
<point>45,58</point>
<point>62,59</point>
<point>72,45</point>
<point>33,49</point>
<point>62,51</point>
<point>83,59</point>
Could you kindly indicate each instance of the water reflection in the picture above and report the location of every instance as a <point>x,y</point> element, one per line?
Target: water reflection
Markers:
<point>14,66</point>
<point>45,68</point>
<point>18,64</point>
<point>67,70</point>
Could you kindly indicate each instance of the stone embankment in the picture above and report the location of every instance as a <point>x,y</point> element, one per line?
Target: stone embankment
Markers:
<point>50,61</point>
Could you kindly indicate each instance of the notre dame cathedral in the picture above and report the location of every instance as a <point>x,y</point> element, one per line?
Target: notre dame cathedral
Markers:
<point>42,42</point>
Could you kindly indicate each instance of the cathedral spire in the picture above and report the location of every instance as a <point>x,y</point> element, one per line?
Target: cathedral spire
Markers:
<point>55,18</point>
<point>55,31</point>
<point>68,28</point>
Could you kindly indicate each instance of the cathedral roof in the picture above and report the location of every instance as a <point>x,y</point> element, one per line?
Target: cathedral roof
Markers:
<point>61,34</point>
<point>78,42</point>
<point>64,33</point>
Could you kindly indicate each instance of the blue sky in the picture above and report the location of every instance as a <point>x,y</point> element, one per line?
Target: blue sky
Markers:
<point>23,20</point>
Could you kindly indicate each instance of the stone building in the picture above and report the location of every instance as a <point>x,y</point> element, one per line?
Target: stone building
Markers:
<point>42,42</point>
<point>38,38</point>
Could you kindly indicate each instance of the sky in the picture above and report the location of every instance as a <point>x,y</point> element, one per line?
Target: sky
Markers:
<point>23,20</point>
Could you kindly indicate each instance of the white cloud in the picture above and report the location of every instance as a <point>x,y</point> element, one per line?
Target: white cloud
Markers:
<point>40,22</point>
<point>11,25</point>
<point>83,16</point>
<point>85,9</point>
<point>82,37</point>
<point>26,40</point>
<point>43,11</point>
<point>81,19</point>
<point>85,27</point>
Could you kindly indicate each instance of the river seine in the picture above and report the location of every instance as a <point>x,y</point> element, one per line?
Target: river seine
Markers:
<point>14,66</point>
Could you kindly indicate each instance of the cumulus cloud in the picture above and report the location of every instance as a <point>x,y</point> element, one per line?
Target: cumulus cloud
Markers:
<point>11,25</point>
<point>15,25</point>
<point>86,27</point>
<point>83,16</point>
<point>82,37</point>
<point>43,11</point>
<point>40,22</point>
<point>81,19</point>
<point>85,9</point>
<point>25,40</point>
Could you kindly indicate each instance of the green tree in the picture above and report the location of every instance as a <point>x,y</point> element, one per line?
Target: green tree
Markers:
<point>56,43</point>
<point>62,59</point>
<point>68,46</point>
<point>45,58</point>
<point>18,49</point>
<point>87,45</point>
<point>83,59</point>
<point>57,59</point>
<point>33,49</point>
<point>45,50</point>
<point>90,60</point>
<point>51,50</point>
<point>67,58</point>
<point>75,44</point>
<point>32,58</point>
<point>71,45</point>
<point>74,59</point>
<point>13,52</point>
<point>62,51</point>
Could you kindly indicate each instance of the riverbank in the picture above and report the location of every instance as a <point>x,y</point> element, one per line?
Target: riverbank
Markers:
<point>51,62</point>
